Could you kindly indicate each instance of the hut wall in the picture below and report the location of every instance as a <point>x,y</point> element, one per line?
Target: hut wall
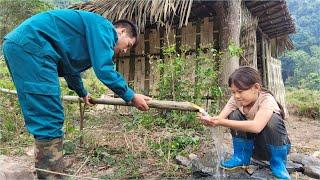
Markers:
<point>138,67</point>
<point>270,67</point>
<point>275,82</point>
<point>248,39</point>
<point>149,50</point>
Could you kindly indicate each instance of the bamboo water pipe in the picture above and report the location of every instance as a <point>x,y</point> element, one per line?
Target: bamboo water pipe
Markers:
<point>159,104</point>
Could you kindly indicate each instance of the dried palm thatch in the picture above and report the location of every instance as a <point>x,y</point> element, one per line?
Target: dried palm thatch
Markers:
<point>142,12</point>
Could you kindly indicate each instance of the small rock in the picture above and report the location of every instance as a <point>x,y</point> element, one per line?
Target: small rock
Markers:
<point>260,163</point>
<point>15,168</point>
<point>312,171</point>
<point>251,169</point>
<point>192,156</point>
<point>316,154</point>
<point>304,159</point>
<point>199,170</point>
<point>109,172</point>
<point>29,151</point>
<point>294,167</point>
<point>183,161</point>
<point>311,164</point>
<point>263,173</point>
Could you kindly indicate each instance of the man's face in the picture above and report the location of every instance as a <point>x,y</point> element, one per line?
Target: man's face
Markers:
<point>124,41</point>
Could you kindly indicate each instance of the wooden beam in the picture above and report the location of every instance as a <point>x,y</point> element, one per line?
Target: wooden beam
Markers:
<point>272,17</point>
<point>268,30</point>
<point>261,32</point>
<point>263,6</point>
<point>272,26</point>
<point>270,10</point>
<point>252,4</point>
<point>284,28</point>
<point>274,21</point>
<point>283,31</point>
<point>278,34</point>
<point>288,31</point>
<point>280,31</point>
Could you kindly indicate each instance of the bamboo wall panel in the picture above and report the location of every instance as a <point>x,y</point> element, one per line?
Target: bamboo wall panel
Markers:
<point>139,50</point>
<point>188,34</point>
<point>154,38</point>
<point>121,66</point>
<point>126,67</point>
<point>207,28</point>
<point>154,78</point>
<point>248,39</point>
<point>248,43</point>
<point>275,82</point>
<point>188,37</point>
<point>138,78</point>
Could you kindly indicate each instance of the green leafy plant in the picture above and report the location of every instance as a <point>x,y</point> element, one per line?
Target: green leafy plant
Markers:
<point>185,76</point>
<point>174,144</point>
<point>234,50</point>
<point>188,76</point>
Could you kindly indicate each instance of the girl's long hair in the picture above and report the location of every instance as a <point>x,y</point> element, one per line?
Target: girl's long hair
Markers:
<point>245,77</point>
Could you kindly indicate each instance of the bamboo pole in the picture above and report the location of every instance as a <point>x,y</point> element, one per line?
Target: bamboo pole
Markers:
<point>7,91</point>
<point>159,104</point>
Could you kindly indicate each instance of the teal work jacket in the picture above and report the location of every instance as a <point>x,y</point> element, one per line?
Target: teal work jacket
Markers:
<point>76,40</point>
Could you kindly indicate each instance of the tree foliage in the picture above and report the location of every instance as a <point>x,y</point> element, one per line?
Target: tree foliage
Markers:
<point>301,67</point>
<point>13,12</point>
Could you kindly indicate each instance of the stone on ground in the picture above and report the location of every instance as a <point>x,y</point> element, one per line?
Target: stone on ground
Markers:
<point>19,168</point>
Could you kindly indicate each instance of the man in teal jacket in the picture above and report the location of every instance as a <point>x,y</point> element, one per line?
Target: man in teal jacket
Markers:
<point>63,43</point>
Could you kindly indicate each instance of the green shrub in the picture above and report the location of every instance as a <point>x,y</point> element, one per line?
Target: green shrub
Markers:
<point>175,143</point>
<point>185,76</point>
<point>304,102</point>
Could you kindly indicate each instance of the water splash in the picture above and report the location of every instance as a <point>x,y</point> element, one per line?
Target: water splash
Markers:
<point>219,148</point>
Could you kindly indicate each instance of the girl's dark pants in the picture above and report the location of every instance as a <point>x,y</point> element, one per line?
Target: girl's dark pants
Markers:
<point>274,133</point>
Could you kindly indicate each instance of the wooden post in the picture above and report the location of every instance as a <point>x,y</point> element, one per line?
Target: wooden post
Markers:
<point>198,39</point>
<point>229,13</point>
<point>132,68</point>
<point>81,108</point>
<point>147,62</point>
<point>178,40</point>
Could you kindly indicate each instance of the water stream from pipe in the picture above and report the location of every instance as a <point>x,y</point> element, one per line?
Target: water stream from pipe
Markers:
<point>219,148</point>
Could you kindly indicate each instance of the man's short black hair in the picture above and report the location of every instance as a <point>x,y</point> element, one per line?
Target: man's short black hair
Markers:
<point>132,29</point>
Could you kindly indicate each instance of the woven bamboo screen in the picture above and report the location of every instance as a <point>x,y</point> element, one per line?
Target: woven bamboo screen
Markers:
<point>138,68</point>
<point>248,39</point>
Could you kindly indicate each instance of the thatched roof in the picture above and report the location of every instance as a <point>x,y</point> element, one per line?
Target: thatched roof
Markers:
<point>143,12</point>
<point>274,17</point>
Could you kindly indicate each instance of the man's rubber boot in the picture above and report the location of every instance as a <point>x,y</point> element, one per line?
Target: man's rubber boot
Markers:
<point>242,152</point>
<point>49,156</point>
<point>278,160</point>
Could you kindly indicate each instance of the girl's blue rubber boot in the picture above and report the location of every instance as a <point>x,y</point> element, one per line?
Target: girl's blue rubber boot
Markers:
<point>242,152</point>
<point>278,160</point>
